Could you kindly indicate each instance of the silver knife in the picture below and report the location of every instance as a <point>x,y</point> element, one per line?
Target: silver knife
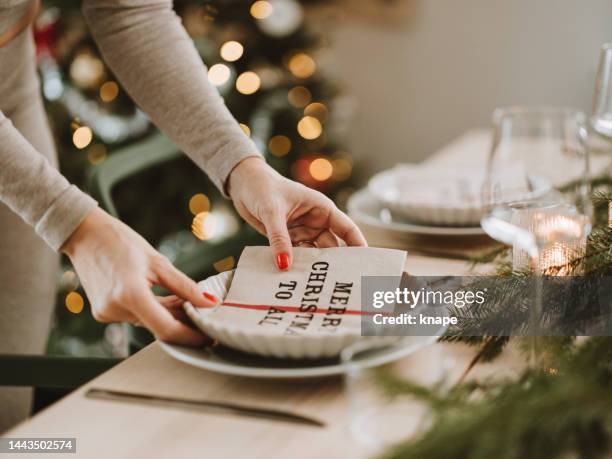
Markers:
<point>202,405</point>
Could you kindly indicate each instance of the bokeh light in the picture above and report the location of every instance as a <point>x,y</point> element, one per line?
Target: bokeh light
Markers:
<point>225,264</point>
<point>299,96</point>
<point>245,129</point>
<point>82,137</point>
<point>231,51</point>
<point>69,281</point>
<point>261,9</point>
<point>219,74</point>
<point>302,65</point>
<point>199,203</point>
<point>309,127</point>
<point>279,145</point>
<point>318,110</point>
<point>109,91</point>
<point>321,169</point>
<point>248,83</point>
<point>75,302</point>
<point>343,165</point>
<point>203,226</point>
<point>96,154</point>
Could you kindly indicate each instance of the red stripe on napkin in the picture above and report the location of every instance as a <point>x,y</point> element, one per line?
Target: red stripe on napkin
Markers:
<point>265,307</point>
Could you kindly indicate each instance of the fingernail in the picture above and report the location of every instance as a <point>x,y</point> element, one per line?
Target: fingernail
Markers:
<point>282,261</point>
<point>211,297</point>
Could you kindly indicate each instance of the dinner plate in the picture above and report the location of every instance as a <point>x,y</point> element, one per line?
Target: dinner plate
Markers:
<point>224,360</point>
<point>364,208</point>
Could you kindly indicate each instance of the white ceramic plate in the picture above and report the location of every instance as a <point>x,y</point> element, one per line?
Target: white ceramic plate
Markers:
<point>227,361</point>
<point>308,346</point>
<point>363,207</point>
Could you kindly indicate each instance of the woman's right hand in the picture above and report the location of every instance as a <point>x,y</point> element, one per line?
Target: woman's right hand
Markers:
<point>117,268</point>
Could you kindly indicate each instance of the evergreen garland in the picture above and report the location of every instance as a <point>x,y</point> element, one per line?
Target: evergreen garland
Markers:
<point>561,410</point>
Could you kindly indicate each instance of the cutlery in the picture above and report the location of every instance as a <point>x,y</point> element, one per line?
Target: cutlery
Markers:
<point>202,405</point>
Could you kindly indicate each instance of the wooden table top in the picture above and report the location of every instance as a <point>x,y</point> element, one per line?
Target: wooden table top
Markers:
<point>106,429</point>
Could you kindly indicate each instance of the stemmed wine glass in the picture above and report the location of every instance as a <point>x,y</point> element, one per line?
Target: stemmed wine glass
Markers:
<point>536,193</point>
<point>601,119</point>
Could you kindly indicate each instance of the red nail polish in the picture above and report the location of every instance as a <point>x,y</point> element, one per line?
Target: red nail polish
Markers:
<point>211,297</point>
<point>282,261</point>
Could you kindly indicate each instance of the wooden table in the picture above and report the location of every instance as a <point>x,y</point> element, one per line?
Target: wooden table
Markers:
<point>105,429</point>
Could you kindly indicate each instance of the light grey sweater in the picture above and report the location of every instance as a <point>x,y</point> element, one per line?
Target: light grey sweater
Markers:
<point>151,54</point>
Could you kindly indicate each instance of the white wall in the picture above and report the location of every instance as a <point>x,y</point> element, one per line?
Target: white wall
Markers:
<point>421,83</point>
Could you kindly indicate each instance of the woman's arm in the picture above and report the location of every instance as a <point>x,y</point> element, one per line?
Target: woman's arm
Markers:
<point>36,191</point>
<point>145,44</point>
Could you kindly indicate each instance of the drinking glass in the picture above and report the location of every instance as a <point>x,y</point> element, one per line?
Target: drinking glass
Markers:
<point>536,194</point>
<point>378,419</point>
<point>601,118</point>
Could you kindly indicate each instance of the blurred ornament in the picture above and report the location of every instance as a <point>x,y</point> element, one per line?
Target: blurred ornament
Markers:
<point>231,51</point>
<point>248,83</point>
<point>299,96</point>
<point>279,145</point>
<point>318,110</point>
<point>284,18</point>
<point>309,127</point>
<point>86,70</point>
<point>302,65</point>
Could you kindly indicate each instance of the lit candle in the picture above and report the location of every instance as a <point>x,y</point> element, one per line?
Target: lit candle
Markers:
<point>560,235</point>
<point>563,240</point>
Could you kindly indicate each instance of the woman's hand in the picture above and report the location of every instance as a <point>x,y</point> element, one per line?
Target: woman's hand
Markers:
<point>117,269</point>
<point>288,212</point>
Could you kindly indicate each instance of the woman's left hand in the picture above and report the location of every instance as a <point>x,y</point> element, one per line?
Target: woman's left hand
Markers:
<point>288,212</point>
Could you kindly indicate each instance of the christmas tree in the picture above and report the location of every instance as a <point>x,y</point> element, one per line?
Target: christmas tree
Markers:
<point>262,57</point>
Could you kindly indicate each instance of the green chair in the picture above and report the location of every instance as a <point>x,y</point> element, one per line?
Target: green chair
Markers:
<point>69,372</point>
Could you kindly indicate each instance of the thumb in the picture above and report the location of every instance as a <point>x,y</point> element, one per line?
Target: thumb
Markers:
<point>184,287</point>
<point>278,235</point>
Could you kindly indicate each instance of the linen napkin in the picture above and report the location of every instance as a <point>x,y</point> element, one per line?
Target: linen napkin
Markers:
<point>321,293</point>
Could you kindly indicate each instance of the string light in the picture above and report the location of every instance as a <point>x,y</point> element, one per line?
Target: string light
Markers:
<point>309,127</point>
<point>302,65</point>
<point>299,96</point>
<point>82,137</point>
<point>199,203</point>
<point>96,154</point>
<point>321,169</point>
<point>261,9</point>
<point>74,302</point>
<point>279,145</point>
<point>219,74</point>
<point>245,129</point>
<point>248,83</point>
<point>318,110</point>
<point>231,51</point>
<point>109,91</point>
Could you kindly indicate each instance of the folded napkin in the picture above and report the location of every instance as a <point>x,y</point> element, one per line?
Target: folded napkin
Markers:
<point>321,293</point>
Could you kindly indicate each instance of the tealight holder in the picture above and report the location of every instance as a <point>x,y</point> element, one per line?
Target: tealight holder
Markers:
<point>560,236</point>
